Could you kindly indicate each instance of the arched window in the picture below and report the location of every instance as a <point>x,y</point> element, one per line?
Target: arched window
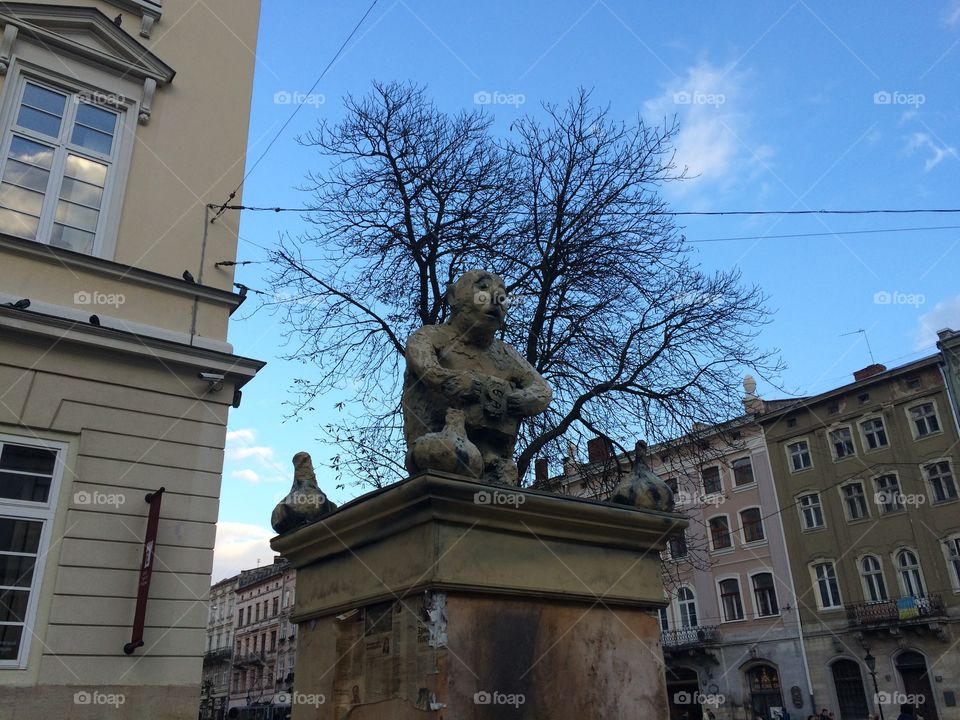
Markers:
<point>910,577</point>
<point>687,603</point>
<point>849,686</point>
<point>874,587</point>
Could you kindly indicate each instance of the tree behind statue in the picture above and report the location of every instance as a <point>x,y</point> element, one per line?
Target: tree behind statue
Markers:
<point>605,300</point>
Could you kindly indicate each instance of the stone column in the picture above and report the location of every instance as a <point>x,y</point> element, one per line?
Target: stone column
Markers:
<point>449,598</point>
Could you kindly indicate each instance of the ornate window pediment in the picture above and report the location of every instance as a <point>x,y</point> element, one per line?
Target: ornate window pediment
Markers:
<point>84,32</point>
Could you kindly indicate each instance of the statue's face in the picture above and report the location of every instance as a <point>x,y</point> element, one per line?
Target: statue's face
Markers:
<point>480,298</point>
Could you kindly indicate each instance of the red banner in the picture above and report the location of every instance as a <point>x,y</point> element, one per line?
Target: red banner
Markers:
<point>146,571</point>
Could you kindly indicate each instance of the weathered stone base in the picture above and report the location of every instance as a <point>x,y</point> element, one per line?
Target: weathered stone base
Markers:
<point>114,702</point>
<point>447,598</point>
<point>502,659</point>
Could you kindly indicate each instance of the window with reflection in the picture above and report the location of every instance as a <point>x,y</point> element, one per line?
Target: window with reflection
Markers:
<point>57,161</point>
<point>27,473</point>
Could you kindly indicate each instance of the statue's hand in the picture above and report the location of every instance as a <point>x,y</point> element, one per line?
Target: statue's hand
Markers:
<point>496,396</point>
<point>517,403</point>
<point>463,386</point>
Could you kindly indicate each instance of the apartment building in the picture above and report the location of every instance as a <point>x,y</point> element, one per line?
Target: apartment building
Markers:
<point>218,656</point>
<point>948,342</point>
<point>116,375</point>
<point>730,632</point>
<point>264,642</point>
<point>867,474</point>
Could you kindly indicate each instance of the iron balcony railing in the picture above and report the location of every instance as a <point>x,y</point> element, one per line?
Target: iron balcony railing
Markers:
<point>689,637</point>
<point>896,611</point>
<point>219,655</point>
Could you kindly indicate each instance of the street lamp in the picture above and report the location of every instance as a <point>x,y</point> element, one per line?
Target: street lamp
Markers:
<point>871,662</point>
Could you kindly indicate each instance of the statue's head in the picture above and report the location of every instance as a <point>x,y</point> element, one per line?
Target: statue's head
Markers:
<point>478,299</point>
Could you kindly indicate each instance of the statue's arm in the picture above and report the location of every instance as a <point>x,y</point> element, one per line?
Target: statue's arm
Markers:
<point>423,363</point>
<point>533,394</point>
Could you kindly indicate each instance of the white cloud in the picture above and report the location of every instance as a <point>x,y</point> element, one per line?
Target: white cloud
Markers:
<point>709,102</point>
<point>918,142</point>
<point>239,546</point>
<point>951,17</point>
<point>945,314</point>
<point>246,474</point>
<point>242,448</point>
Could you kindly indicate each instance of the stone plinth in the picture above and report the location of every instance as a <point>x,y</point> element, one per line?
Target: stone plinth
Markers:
<point>448,598</point>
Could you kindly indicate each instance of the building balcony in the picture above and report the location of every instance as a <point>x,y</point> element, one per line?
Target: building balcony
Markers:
<point>926,610</point>
<point>217,656</point>
<point>689,638</point>
<point>252,658</point>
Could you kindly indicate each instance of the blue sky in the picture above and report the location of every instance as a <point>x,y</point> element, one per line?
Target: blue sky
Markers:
<point>782,106</point>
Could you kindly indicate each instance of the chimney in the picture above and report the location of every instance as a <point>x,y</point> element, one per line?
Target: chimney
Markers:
<point>598,450</point>
<point>869,371</point>
<point>541,472</point>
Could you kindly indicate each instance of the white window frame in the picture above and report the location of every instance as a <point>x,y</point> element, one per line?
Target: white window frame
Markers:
<point>803,517</point>
<point>877,493</point>
<point>904,591</point>
<point>833,449</point>
<point>730,534</point>
<point>679,608</point>
<point>743,605</point>
<point>111,205</point>
<point>733,475</point>
<point>796,441</point>
<point>753,593</point>
<point>863,433</point>
<point>867,595</point>
<point>929,485</point>
<point>951,553</point>
<point>846,505</point>
<point>743,532</point>
<point>720,477</point>
<point>45,513</point>
<point>936,413</point>
<point>812,567</point>
<point>669,550</point>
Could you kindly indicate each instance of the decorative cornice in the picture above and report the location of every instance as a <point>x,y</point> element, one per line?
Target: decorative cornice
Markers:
<point>46,24</point>
<point>236,368</point>
<point>118,271</point>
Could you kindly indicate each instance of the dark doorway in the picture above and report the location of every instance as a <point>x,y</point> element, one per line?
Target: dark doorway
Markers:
<point>764,681</point>
<point>916,683</point>
<point>683,694</point>
<point>851,697</point>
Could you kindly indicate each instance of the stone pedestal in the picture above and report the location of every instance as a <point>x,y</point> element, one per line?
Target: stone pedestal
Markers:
<point>448,598</point>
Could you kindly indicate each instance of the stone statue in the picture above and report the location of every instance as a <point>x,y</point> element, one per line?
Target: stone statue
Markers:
<point>305,502</point>
<point>642,488</point>
<point>461,365</point>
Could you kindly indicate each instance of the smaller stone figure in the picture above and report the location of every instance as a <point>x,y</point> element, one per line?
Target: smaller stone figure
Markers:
<point>448,450</point>
<point>305,502</point>
<point>642,488</point>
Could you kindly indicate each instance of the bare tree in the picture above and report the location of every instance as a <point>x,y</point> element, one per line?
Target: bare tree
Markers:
<point>606,301</point>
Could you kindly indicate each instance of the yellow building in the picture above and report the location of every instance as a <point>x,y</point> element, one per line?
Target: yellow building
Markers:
<point>120,121</point>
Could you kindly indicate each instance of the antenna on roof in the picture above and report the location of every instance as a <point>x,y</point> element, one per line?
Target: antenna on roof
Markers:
<point>865,338</point>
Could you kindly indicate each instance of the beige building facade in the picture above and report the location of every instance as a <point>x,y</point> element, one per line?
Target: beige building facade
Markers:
<point>116,375</point>
<point>866,474</point>
<point>265,642</point>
